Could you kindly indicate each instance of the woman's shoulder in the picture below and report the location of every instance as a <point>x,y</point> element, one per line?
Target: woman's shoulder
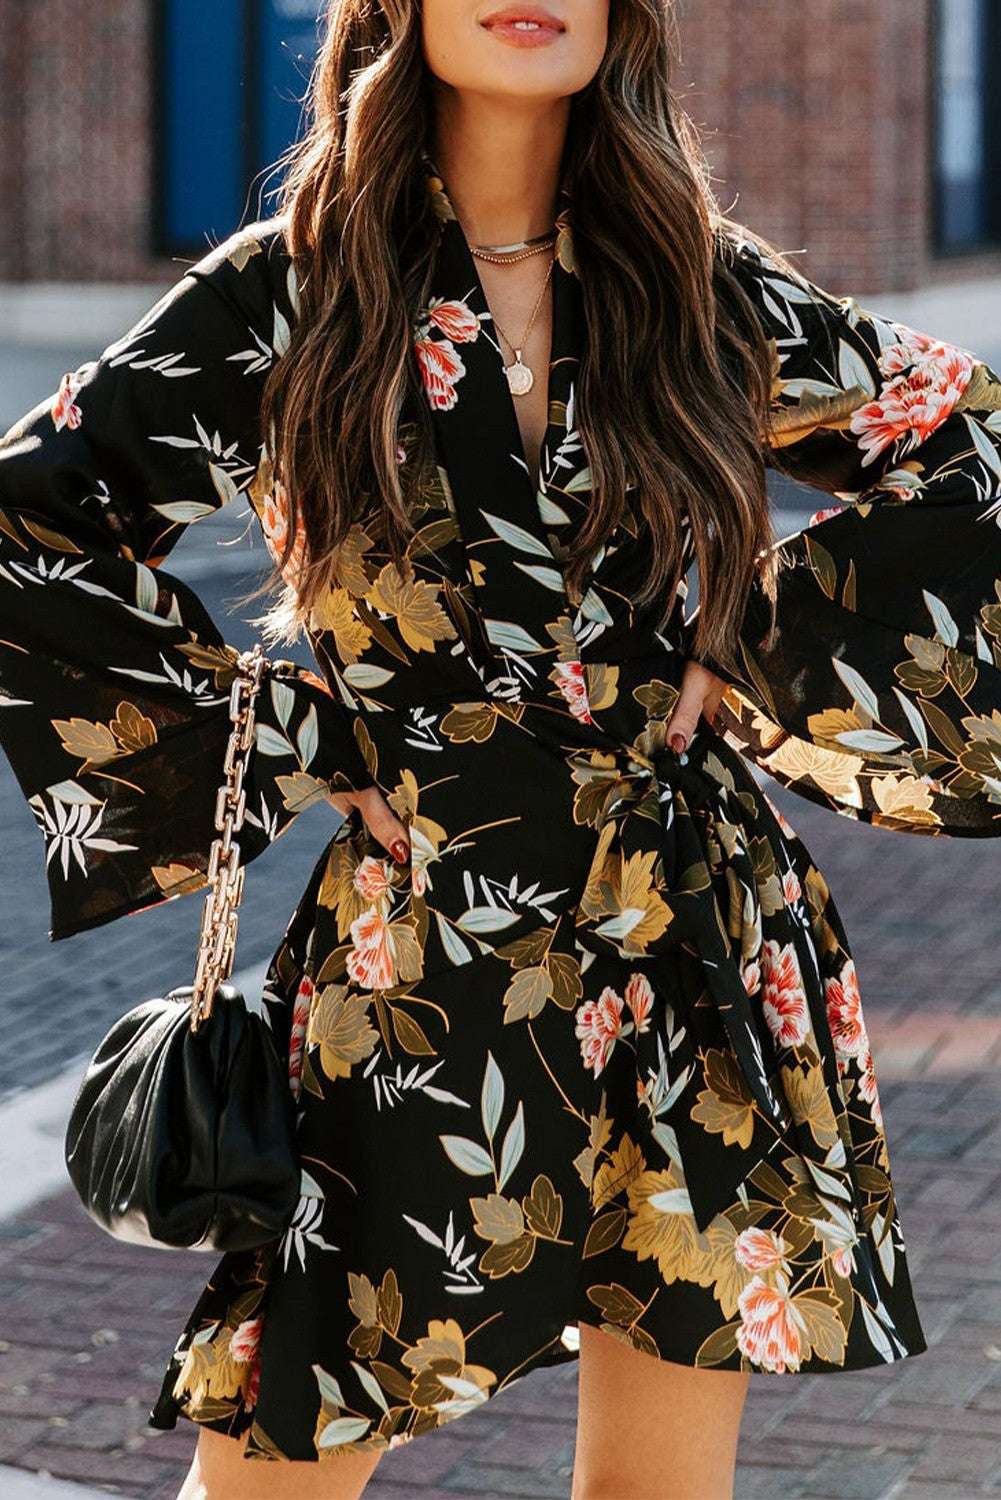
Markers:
<point>252,266</point>
<point>753,258</point>
<point>787,302</point>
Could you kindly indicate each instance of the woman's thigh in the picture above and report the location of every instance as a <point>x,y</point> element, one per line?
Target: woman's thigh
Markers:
<point>220,1472</point>
<point>649,1429</point>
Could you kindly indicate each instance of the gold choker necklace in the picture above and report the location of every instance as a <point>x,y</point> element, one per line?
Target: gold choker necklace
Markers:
<point>521,250</point>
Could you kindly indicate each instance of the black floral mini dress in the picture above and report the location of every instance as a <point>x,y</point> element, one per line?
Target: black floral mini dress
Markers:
<point>597,1052</point>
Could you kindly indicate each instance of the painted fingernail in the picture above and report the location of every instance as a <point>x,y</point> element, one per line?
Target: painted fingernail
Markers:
<point>398,849</point>
<point>678,742</point>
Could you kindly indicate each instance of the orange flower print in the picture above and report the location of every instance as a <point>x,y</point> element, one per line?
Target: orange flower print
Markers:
<point>769,1332</point>
<point>371,880</point>
<point>779,817</point>
<point>752,978</point>
<point>599,1023</point>
<point>867,1088</point>
<point>253,1385</point>
<point>300,1023</point>
<point>243,1345</point>
<point>639,998</point>
<point>570,679</point>
<point>64,412</point>
<point>844,1014</point>
<point>759,1249</point>
<point>926,380</point>
<point>456,320</point>
<point>791,888</point>
<point>825,514</point>
<point>784,999</point>
<point>245,1349</point>
<point>440,363</point>
<point>370,961</point>
<point>843,1260</point>
<point>441,369</point>
<point>307,676</point>
<point>274,524</point>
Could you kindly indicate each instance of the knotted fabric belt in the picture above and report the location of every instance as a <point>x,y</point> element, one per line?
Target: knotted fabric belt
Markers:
<point>674,868</point>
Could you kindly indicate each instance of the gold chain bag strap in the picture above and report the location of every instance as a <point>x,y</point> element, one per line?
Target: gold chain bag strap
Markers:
<point>221,911</point>
<point>183,1131</point>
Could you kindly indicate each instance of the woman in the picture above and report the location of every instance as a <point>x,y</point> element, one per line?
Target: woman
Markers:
<point>571,1020</point>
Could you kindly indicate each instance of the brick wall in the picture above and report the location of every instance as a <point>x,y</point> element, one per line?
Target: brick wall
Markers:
<point>814,116</point>
<point>75,110</point>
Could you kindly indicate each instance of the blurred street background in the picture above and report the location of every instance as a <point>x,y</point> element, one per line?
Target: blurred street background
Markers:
<point>867,135</point>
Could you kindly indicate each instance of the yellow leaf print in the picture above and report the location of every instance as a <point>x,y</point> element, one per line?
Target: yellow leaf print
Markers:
<point>498,1218</point>
<point>617,1303</point>
<point>834,773</point>
<point>624,1164</point>
<point>349,566</point>
<point>602,684</point>
<point>661,1226</point>
<point>131,728</point>
<point>599,1131</point>
<point>904,797</point>
<point>527,994</point>
<point>361,1299</point>
<point>832,722</point>
<point>338,890</point>
<point>543,1208</point>
<point>211,1373</point>
<point>420,617</point>
<point>339,1026</point>
<point>93,744</point>
<point>720,1267</point>
<point>501,1260</point>
<point>808,1099</point>
<point>300,790</point>
<point>636,893</point>
<point>823,1329</point>
<point>726,1106</point>
<point>335,612</point>
<point>444,1341</point>
<point>178,879</point>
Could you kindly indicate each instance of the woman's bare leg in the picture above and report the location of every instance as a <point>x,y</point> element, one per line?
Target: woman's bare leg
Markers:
<point>220,1472</point>
<point>648,1429</point>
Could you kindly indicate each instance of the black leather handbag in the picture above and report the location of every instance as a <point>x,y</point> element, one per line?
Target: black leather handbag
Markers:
<point>182,1134</point>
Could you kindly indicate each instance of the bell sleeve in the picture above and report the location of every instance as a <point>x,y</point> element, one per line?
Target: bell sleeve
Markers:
<point>114,680</point>
<point>879,692</point>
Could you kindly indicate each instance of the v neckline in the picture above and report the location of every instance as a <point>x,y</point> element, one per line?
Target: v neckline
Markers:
<point>445,210</point>
<point>514,534</point>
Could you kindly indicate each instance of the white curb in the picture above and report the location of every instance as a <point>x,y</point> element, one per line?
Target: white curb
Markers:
<point>18,1484</point>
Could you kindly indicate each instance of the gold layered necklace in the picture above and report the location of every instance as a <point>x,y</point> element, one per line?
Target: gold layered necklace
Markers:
<point>520,377</point>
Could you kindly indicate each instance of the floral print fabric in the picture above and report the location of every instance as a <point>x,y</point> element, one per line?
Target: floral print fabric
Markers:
<point>598,1052</point>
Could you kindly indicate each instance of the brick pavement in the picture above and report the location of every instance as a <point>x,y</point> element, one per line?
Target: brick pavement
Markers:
<point>85,1324</point>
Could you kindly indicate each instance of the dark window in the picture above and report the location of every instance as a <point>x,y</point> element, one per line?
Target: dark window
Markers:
<point>229,80</point>
<point>967,117</point>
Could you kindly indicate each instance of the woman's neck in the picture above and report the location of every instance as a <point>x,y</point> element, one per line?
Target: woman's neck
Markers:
<point>500,163</point>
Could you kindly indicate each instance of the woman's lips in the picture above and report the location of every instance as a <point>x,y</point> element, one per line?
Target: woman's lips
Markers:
<point>527,26</point>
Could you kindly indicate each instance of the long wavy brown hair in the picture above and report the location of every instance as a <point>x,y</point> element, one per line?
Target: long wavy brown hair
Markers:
<point>660,303</point>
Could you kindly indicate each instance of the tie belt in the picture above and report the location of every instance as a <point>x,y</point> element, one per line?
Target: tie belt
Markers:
<point>673,869</point>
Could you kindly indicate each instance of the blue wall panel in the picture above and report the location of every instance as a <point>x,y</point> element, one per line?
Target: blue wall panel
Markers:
<point>286,48</point>
<point>219,130</point>
<point>202,91</point>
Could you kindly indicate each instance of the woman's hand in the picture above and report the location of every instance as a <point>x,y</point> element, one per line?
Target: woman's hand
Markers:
<point>701,691</point>
<point>380,820</point>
